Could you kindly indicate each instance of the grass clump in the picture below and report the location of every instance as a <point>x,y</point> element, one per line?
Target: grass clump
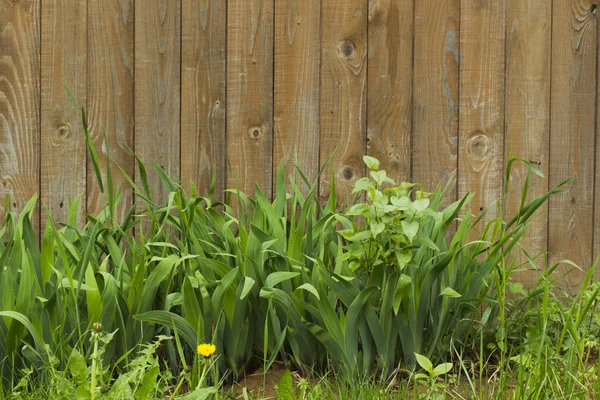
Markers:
<point>393,296</point>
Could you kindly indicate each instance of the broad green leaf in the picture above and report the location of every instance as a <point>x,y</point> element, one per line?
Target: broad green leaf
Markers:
<point>361,185</point>
<point>442,369</point>
<point>285,387</point>
<point>371,162</point>
<point>248,285</point>
<point>377,228</point>
<point>421,205</point>
<point>173,321</point>
<point>360,236</point>
<point>359,209</point>
<point>309,288</point>
<point>410,229</point>
<point>277,277</point>
<point>449,292</point>
<point>424,363</point>
<point>403,283</point>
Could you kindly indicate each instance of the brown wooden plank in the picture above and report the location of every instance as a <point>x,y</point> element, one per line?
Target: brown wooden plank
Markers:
<point>343,94</point>
<point>296,114</point>
<point>596,251</point>
<point>250,93</point>
<point>157,89</point>
<point>390,77</point>
<point>528,49</point>
<point>572,134</point>
<point>63,149</point>
<point>481,123</point>
<point>435,109</point>
<point>19,104</point>
<point>203,94</point>
<point>110,97</point>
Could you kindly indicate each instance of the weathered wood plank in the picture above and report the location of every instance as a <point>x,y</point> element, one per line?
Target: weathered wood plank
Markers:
<point>296,108</point>
<point>203,137</point>
<point>157,89</point>
<point>436,88</point>
<point>596,252</point>
<point>572,134</point>
<point>343,94</point>
<point>63,148</point>
<point>528,49</point>
<point>110,97</point>
<point>250,94</point>
<point>19,104</point>
<point>481,123</point>
<point>390,78</point>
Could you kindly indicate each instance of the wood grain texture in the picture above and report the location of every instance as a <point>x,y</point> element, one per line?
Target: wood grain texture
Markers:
<point>572,134</point>
<point>481,124</point>
<point>296,108</point>
<point>528,49</point>
<point>343,94</point>
<point>250,93</point>
<point>203,103</point>
<point>596,251</point>
<point>390,78</point>
<point>19,104</point>
<point>110,96</point>
<point>157,89</point>
<point>64,63</point>
<point>436,88</point>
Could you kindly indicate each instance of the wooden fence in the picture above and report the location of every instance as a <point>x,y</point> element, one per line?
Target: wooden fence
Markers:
<point>433,88</point>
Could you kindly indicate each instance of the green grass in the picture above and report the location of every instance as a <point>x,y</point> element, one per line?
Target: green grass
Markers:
<point>393,297</point>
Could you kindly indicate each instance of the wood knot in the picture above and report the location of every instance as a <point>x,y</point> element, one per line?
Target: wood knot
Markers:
<point>63,130</point>
<point>254,132</point>
<point>348,174</point>
<point>478,145</point>
<point>368,143</point>
<point>593,8</point>
<point>4,184</point>
<point>346,49</point>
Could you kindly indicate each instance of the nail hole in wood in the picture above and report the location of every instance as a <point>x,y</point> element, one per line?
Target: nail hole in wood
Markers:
<point>368,143</point>
<point>480,208</point>
<point>62,204</point>
<point>593,9</point>
<point>347,49</point>
<point>217,103</point>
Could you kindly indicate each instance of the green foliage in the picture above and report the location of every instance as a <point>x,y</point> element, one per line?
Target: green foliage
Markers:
<point>367,292</point>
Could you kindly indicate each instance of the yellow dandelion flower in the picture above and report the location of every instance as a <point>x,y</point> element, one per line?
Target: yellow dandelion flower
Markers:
<point>206,349</point>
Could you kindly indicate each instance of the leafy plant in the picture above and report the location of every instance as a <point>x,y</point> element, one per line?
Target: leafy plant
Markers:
<point>429,379</point>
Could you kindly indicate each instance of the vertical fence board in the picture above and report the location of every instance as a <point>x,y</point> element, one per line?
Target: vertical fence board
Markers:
<point>250,93</point>
<point>596,250</point>
<point>435,109</point>
<point>296,102</point>
<point>203,94</point>
<point>63,148</point>
<point>528,49</point>
<point>343,94</point>
<point>389,101</point>
<point>19,104</point>
<point>110,97</point>
<point>572,134</point>
<point>157,89</point>
<point>481,124</point>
